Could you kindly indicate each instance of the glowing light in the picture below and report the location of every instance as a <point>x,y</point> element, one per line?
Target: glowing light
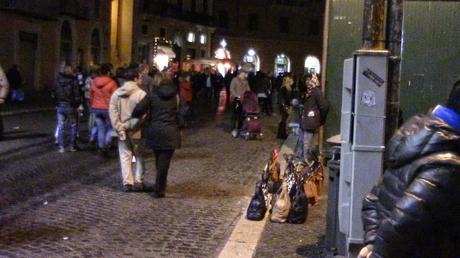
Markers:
<point>202,39</point>
<point>251,52</point>
<point>223,43</point>
<point>312,64</point>
<point>222,53</point>
<point>191,37</point>
<point>161,61</point>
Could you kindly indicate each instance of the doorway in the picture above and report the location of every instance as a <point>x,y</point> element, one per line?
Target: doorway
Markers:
<point>27,56</point>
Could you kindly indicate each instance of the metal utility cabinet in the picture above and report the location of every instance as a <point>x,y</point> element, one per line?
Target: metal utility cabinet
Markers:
<point>362,134</point>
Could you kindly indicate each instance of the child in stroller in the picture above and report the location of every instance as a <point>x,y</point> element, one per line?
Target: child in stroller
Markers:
<point>251,126</point>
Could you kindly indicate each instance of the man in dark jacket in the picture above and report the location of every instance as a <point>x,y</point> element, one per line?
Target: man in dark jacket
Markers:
<point>146,80</point>
<point>67,96</point>
<point>414,210</point>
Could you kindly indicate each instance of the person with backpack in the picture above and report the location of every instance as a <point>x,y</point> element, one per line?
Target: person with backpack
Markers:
<point>67,96</point>
<point>128,129</point>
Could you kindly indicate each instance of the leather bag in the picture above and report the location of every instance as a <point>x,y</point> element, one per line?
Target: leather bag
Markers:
<point>299,208</point>
<point>282,206</point>
<point>257,207</point>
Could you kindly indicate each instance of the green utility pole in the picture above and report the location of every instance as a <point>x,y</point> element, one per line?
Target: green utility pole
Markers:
<point>374,39</point>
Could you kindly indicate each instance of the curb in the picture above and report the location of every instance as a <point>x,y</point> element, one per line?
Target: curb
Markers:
<point>246,234</point>
<point>26,111</point>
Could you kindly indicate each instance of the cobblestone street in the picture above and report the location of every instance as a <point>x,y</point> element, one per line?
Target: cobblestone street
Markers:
<point>71,205</point>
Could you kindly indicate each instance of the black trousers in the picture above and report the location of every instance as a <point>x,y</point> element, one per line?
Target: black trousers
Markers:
<point>162,162</point>
<point>266,105</point>
<point>237,115</point>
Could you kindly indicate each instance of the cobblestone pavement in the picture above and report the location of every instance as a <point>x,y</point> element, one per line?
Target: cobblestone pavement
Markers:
<point>289,240</point>
<point>70,205</point>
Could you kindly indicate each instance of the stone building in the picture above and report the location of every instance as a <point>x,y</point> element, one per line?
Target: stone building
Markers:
<point>175,29</point>
<point>41,36</point>
<point>273,35</point>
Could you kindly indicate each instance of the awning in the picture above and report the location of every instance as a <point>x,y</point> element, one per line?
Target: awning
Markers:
<point>166,50</point>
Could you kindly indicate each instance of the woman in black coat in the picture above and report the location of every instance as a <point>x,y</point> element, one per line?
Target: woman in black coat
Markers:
<point>161,131</point>
<point>313,115</point>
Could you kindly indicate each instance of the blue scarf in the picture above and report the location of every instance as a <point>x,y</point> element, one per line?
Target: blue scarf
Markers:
<point>447,115</point>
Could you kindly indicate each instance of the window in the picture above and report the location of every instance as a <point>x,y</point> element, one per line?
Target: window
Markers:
<point>205,6</point>
<point>314,27</point>
<point>202,39</point>
<point>97,8</point>
<point>95,47</point>
<point>253,22</point>
<point>162,32</point>
<point>193,6</point>
<point>191,37</point>
<point>223,19</point>
<point>283,24</point>
<point>145,29</point>
<point>66,43</point>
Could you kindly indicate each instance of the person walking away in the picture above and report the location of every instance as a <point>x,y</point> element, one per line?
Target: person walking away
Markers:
<point>414,208</point>
<point>15,80</point>
<point>92,127</point>
<point>286,94</point>
<point>128,129</point>
<point>67,97</point>
<point>100,93</point>
<point>262,86</point>
<point>4,89</point>
<point>238,87</point>
<point>313,115</point>
<point>146,80</point>
<point>161,130</point>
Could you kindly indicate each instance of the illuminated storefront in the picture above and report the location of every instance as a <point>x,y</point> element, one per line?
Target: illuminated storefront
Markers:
<point>312,65</point>
<point>252,59</point>
<point>282,64</point>
<point>162,53</point>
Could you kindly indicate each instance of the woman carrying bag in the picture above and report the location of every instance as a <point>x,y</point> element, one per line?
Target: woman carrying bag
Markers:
<point>161,132</point>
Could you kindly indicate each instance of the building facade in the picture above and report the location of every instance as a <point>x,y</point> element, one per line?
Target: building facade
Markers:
<point>175,29</point>
<point>273,35</point>
<point>42,36</point>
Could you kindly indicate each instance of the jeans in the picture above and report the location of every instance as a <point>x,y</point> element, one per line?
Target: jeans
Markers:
<point>127,149</point>
<point>67,115</point>
<point>104,127</point>
<point>162,161</point>
<point>92,127</point>
<point>305,143</point>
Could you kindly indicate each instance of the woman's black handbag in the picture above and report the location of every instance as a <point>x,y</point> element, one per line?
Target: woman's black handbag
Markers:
<point>299,206</point>
<point>257,207</point>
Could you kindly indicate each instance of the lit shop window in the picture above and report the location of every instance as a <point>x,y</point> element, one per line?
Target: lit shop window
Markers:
<point>191,37</point>
<point>202,39</point>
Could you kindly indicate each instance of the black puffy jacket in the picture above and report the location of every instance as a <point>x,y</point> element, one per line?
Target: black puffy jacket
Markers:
<point>161,129</point>
<point>315,110</point>
<point>414,211</point>
<point>66,91</point>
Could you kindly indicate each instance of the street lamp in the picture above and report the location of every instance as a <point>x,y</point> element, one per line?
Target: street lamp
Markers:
<point>223,43</point>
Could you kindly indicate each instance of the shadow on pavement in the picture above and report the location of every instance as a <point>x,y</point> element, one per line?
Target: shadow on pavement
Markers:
<point>317,250</point>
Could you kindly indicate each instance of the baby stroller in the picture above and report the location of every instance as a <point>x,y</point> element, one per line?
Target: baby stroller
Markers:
<point>251,126</point>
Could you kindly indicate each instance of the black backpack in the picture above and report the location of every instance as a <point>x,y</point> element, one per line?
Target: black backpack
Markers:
<point>257,207</point>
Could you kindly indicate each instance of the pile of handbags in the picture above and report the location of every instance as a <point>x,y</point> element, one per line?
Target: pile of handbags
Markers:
<point>286,198</point>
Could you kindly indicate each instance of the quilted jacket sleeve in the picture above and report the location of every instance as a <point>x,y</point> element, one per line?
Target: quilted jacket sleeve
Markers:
<point>370,215</point>
<point>423,206</point>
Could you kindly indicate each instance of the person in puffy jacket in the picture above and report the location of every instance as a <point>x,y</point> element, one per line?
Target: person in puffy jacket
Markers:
<point>101,91</point>
<point>161,130</point>
<point>128,129</point>
<point>67,96</point>
<point>414,209</point>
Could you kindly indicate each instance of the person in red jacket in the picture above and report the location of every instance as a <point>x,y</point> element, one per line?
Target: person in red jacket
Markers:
<point>101,91</point>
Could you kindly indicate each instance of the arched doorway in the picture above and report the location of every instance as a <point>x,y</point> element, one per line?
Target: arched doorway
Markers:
<point>252,59</point>
<point>282,64</point>
<point>95,48</point>
<point>66,44</point>
<point>312,65</point>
